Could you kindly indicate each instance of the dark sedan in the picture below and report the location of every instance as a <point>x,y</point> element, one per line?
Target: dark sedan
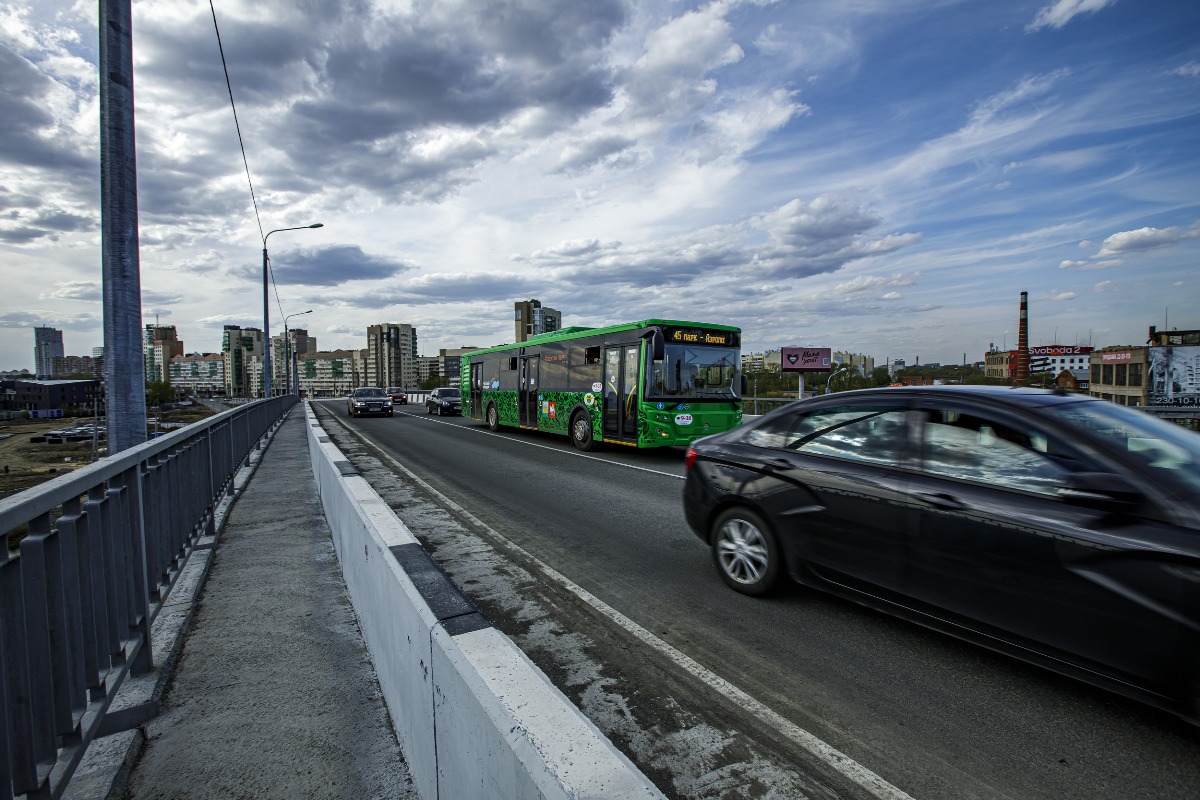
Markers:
<point>368,400</point>
<point>1058,528</point>
<point>444,401</point>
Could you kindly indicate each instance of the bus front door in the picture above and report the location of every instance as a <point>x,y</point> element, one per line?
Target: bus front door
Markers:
<point>477,391</point>
<point>620,392</point>
<point>527,396</point>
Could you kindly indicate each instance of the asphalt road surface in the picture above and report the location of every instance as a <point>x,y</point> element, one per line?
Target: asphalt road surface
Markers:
<point>586,562</point>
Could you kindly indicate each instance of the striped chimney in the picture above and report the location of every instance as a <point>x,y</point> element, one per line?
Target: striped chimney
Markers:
<point>1023,340</point>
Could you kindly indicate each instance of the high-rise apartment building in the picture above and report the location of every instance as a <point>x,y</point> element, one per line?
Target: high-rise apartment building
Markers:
<point>283,353</point>
<point>47,345</point>
<point>160,343</point>
<point>533,318</point>
<point>243,352</point>
<point>391,355</point>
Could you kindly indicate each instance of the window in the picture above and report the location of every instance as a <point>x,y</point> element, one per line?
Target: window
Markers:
<point>1135,374</point>
<point>870,433</point>
<point>1122,375</point>
<point>965,445</point>
<point>1095,373</point>
<point>1107,372</point>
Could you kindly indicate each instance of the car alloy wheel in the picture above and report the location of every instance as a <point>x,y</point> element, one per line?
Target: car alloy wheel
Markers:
<point>745,552</point>
<point>581,431</point>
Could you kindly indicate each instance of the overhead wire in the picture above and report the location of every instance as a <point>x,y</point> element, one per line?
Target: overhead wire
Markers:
<point>245,160</point>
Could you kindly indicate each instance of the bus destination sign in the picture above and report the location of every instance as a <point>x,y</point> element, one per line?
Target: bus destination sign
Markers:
<point>702,336</point>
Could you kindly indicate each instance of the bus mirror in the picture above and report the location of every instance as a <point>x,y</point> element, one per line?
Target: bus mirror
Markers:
<point>745,385</point>
<point>658,344</point>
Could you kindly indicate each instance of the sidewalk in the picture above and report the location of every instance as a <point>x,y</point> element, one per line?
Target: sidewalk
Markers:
<point>273,694</point>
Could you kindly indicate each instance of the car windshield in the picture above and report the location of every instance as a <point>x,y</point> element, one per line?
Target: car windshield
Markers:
<point>394,390</point>
<point>1167,449</point>
<point>368,392</point>
<point>448,393</point>
<point>694,372</point>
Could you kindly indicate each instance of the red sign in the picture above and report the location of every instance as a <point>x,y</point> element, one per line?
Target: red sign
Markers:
<point>806,359</point>
<point>1126,355</point>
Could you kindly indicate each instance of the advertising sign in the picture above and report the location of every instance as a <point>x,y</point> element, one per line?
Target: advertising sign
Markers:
<point>806,359</point>
<point>1111,358</point>
<point>1174,376</point>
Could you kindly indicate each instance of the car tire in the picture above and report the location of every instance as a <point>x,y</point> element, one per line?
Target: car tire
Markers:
<point>493,417</point>
<point>582,435</point>
<point>745,552</point>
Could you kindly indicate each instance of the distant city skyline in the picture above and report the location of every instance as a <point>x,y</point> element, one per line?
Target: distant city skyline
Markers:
<point>876,177</point>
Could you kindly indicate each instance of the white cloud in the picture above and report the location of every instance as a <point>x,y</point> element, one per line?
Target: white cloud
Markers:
<point>1058,14</point>
<point>1146,239</point>
<point>1189,70</point>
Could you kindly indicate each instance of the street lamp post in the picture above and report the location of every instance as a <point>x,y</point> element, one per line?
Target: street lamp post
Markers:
<point>287,346</point>
<point>833,375</point>
<point>267,306</point>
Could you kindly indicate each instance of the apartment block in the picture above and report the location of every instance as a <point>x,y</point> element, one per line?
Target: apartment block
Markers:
<point>533,318</point>
<point>243,351</point>
<point>198,373</point>
<point>47,345</point>
<point>391,355</point>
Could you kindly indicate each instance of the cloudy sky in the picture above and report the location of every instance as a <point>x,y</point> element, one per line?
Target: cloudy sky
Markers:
<point>880,176</point>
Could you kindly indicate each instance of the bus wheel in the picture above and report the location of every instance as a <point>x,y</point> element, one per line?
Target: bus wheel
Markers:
<point>493,418</point>
<point>581,431</point>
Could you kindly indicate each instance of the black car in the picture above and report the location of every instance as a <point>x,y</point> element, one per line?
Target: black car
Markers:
<point>1062,529</point>
<point>444,401</point>
<point>368,400</point>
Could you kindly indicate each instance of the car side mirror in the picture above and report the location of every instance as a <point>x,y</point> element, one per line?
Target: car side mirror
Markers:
<point>1106,491</point>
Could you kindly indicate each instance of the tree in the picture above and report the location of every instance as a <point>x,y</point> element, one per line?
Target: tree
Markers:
<point>159,392</point>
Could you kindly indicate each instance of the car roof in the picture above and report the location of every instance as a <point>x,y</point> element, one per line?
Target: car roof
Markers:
<point>1012,395</point>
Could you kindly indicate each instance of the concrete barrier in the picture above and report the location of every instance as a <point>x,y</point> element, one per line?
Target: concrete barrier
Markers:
<point>475,717</point>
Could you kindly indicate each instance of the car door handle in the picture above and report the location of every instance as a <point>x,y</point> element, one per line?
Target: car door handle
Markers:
<point>777,463</point>
<point>940,500</point>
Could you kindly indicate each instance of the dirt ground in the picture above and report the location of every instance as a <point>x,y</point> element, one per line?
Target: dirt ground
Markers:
<point>24,463</point>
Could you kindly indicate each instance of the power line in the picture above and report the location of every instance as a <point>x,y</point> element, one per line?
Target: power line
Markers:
<point>233,105</point>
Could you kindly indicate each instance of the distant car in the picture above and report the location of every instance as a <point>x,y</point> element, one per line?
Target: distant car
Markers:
<point>1060,529</point>
<point>398,395</point>
<point>368,400</point>
<point>444,401</point>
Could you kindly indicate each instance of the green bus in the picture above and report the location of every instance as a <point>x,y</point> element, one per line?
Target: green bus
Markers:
<point>653,383</point>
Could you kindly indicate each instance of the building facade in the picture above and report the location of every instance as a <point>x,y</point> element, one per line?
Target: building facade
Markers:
<point>242,349</point>
<point>66,366</point>
<point>391,355</point>
<point>282,355</point>
<point>72,397</point>
<point>452,362</point>
<point>47,345</point>
<point>331,373</point>
<point>160,343</point>
<point>428,367</point>
<point>198,373</point>
<point>858,364</point>
<point>533,318</point>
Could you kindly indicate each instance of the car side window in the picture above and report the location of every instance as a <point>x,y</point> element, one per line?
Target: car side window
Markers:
<point>973,447</point>
<point>870,433</point>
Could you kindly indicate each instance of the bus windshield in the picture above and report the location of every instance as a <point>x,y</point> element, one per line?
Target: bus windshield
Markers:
<point>695,372</point>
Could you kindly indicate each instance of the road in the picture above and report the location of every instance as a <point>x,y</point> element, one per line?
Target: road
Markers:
<point>586,562</point>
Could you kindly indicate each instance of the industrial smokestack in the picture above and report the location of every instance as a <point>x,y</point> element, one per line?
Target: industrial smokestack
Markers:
<point>1023,340</point>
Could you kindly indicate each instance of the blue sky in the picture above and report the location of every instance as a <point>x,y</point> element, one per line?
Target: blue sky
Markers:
<point>877,176</point>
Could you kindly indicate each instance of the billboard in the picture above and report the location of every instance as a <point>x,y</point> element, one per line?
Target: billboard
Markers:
<point>805,359</point>
<point>1174,376</point>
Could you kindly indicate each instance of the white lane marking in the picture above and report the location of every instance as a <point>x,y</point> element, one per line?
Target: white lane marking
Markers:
<point>543,446</point>
<point>836,759</point>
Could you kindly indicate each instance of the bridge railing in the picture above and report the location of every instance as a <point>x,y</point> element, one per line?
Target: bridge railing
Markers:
<point>101,549</point>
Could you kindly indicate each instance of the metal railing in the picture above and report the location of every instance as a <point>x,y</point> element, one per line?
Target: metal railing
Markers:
<point>103,548</point>
<point>761,405</point>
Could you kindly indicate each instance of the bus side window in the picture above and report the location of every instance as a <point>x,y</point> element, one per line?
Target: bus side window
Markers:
<point>591,355</point>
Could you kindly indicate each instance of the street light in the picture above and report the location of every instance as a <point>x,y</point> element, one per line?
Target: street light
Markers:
<point>267,306</point>
<point>833,375</point>
<point>287,346</point>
